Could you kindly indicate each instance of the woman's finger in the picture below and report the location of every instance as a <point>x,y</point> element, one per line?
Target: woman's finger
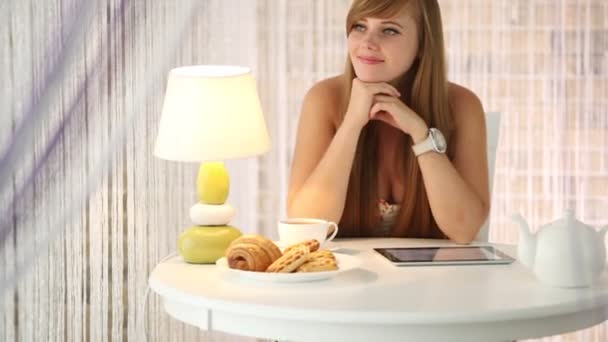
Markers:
<point>383,88</point>
<point>379,107</point>
<point>385,98</point>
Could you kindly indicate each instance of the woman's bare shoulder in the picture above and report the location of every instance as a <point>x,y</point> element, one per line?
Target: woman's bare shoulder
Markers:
<point>328,90</point>
<point>326,98</point>
<point>464,103</point>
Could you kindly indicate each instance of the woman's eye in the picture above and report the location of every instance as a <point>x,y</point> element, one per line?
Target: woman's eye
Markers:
<point>390,32</point>
<point>359,27</point>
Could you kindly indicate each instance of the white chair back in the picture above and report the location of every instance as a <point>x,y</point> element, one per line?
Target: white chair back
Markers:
<point>493,135</point>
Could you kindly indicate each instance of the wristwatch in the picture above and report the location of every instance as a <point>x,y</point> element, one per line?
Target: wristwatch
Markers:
<point>434,142</point>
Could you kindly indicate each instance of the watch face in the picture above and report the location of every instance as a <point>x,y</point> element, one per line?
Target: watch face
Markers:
<point>438,140</point>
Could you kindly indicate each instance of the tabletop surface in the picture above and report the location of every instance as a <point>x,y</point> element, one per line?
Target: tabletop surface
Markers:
<point>379,292</point>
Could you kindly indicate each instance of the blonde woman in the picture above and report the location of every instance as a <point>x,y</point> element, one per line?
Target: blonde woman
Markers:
<point>390,147</point>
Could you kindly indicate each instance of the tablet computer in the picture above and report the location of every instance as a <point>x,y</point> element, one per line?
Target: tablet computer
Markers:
<point>452,255</point>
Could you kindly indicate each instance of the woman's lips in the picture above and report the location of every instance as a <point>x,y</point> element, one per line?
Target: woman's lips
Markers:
<point>369,60</point>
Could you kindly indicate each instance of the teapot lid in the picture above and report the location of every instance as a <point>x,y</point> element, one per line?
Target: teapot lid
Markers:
<point>569,213</point>
<point>571,220</point>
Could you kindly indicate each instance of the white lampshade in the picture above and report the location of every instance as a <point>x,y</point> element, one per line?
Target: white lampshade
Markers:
<point>211,112</point>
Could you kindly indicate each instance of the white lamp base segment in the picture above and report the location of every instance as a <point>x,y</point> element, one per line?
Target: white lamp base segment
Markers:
<point>211,215</point>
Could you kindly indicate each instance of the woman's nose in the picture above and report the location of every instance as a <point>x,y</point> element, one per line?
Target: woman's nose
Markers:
<point>370,41</point>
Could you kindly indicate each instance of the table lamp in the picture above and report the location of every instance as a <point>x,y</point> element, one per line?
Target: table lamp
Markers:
<point>210,113</point>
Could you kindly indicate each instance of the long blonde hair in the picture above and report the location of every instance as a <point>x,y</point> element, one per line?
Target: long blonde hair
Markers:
<point>424,89</point>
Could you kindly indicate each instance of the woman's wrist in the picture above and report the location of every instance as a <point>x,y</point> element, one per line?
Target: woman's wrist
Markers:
<point>349,123</point>
<point>419,133</point>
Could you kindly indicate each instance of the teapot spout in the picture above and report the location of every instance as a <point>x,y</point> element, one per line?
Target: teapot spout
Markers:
<point>526,248</point>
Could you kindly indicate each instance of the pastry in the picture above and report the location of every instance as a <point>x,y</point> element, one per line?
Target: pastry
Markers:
<point>247,257</point>
<point>290,260</point>
<point>267,246</point>
<point>322,253</point>
<point>312,245</point>
<point>321,264</point>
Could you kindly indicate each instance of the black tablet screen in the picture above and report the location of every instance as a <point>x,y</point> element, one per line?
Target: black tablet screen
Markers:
<point>440,254</point>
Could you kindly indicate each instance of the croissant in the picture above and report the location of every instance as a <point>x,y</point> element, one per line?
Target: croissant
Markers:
<point>248,257</point>
<point>266,245</point>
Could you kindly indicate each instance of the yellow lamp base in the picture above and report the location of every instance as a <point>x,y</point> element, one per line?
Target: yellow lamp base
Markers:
<point>206,244</point>
<point>212,183</point>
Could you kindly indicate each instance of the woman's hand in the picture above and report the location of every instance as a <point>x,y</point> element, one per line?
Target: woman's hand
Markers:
<point>394,112</point>
<point>362,98</point>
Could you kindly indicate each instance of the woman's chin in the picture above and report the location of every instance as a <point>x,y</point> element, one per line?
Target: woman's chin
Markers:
<point>372,78</point>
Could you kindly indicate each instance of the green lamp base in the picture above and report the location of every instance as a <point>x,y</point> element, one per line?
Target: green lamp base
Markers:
<point>206,244</point>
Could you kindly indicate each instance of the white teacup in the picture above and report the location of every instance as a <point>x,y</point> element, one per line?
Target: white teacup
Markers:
<point>296,230</point>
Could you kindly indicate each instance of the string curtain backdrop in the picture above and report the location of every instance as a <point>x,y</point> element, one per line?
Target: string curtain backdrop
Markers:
<point>86,211</point>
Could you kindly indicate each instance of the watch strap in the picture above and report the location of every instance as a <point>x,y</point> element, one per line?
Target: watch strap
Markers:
<point>424,146</point>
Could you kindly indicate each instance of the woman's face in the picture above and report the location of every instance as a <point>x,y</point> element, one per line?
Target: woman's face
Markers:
<point>383,49</point>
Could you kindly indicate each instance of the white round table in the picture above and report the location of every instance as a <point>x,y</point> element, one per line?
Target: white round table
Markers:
<point>381,302</point>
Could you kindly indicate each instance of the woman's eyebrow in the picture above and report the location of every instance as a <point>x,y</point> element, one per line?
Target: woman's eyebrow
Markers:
<point>392,22</point>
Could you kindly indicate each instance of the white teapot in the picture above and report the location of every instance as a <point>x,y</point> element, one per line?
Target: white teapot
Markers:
<point>563,253</point>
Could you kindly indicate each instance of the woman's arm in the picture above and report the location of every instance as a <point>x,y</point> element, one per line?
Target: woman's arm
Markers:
<point>322,159</point>
<point>457,190</point>
<point>324,156</point>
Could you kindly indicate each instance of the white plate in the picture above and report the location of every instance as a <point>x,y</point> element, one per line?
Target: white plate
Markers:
<point>345,263</point>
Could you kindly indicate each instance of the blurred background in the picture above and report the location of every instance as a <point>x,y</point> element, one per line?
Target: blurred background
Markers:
<point>86,211</point>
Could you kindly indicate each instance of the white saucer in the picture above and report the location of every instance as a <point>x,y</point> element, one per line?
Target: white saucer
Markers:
<point>345,263</point>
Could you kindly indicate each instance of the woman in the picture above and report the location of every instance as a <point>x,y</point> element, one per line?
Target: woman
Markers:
<point>371,148</point>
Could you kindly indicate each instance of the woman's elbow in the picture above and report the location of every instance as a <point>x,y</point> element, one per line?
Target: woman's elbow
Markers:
<point>291,211</point>
<point>295,205</point>
<point>468,226</point>
<point>295,209</point>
